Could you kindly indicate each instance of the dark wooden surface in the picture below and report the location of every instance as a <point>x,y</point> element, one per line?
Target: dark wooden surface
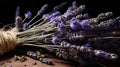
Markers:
<point>8,60</point>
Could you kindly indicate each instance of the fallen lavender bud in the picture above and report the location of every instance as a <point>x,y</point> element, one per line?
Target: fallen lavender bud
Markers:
<point>37,57</point>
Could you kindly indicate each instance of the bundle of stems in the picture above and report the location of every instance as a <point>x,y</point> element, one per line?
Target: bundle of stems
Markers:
<point>49,31</point>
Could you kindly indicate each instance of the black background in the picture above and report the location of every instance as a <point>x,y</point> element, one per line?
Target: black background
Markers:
<point>93,7</point>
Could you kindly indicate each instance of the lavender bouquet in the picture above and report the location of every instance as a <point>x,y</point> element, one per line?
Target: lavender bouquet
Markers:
<point>72,35</point>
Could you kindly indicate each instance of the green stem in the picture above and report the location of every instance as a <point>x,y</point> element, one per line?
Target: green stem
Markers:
<point>24,20</point>
<point>33,19</point>
<point>35,22</point>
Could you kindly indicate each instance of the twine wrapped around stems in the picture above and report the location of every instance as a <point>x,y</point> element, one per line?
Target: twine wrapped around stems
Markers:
<point>8,40</point>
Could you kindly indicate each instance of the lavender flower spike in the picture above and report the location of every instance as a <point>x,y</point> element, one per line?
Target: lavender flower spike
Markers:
<point>86,16</point>
<point>62,27</point>
<point>42,9</point>
<point>75,24</point>
<point>85,24</point>
<point>18,23</point>
<point>39,12</point>
<point>103,16</point>
<point>25,26</point>
<point>59,6</point>
<point>55,40</point>
<point>74,3</point>
<point>17,11</point>
<point>28,15</point>
<point>80,9</point>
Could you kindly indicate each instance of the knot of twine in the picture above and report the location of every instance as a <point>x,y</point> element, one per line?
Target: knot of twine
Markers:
<point>7,41</point>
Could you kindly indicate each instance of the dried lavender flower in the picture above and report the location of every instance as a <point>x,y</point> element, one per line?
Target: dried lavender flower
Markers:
<point>62,27</point>
<point>80,16</point>
<point>25,26</point>
<point>73,36</point>
<point>17,13</point>
<point>43,9</point>
<point>86,16</point>
<point>68,15</point>
<point>56,8</point>
<point>111,56</point>
<point>74,24</point>
<point>55,40</point>
<point>28,15</point>
<point>103,16</point>
<point>85,24</point>
<point>56,13</point>
<point>80,9</point>
<point>19,23</point>
<point>73,7</point>
<point>74,3</point>
<point>106,55</point>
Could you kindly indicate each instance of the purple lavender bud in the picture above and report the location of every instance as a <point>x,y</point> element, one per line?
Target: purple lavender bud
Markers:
<point>18,23</point>
<point>75,25</point>
<point>55,40</point>
<point>71,8</point>
<point>112,56</point>
<point>80,16</point>
<point>103,16</point>
<point>74,3</point>
<point>47,17</point>
<point>43,33</point>
<point>55,20</point>
<point>88,45</point>
<point>28,15</point>
<point>43,9</point>
<point>61,18</point>
<point>78,10</point>
<point>100,53</point>
<point>56,13</point>
<point>18,19</point>
<point>17,11</point>
<point>85,24</point>
<point>25,25</point>
<point>86,16</point>
<point>62,26</point>
<point>56,8</point>
<point>68,15</point>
